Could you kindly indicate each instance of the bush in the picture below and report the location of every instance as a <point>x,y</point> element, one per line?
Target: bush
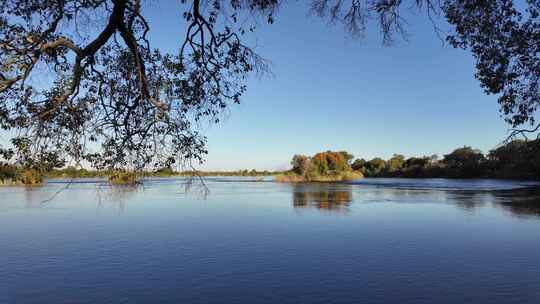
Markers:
<point>351,175</point>
<point>8,172</point>
<point>290,178</point>
<point>15,175</point>
<point>31,177</point>
<point>166,171</point>
<point>124,178</point>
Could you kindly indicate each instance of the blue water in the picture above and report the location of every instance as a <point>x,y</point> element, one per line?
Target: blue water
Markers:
<point>378,241</point>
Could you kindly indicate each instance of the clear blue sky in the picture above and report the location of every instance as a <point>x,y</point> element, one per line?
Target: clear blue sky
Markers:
<point>330,92</point>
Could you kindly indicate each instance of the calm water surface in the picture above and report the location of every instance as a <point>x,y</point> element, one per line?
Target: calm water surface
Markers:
<point>376,241</point>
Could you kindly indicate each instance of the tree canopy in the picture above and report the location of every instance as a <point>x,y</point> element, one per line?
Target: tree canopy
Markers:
<point>114,100</point>
<point>323,166</point>
<point>518,159</point>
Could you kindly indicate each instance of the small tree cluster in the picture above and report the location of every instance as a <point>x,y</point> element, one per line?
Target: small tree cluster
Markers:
<point>323,164</point>
<point>517,159</point>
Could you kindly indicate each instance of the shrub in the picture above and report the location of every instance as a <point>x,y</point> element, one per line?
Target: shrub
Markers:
<point>8,172</point>
<point>31,177</point>
<point>351,175</point>
<point>290,178</point>
<point>15,175</point>
<point>124,178</point>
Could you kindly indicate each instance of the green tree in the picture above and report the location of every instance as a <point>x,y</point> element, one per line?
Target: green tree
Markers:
<point>337,162</point>
<point>516,159</point>
<point>418,167</point>
<point>465,162</point>
<point>300,164</point>
<point>319,164</point>
<point>418,162</point>
<point>504,38</point>
<point>375,166</point>
<point>395,163</point>
<point>348,157</point>
<point>359,165</point>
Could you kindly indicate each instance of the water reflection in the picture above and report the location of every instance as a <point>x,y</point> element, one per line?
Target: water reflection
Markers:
<point>116,197</point>
<point>339,198</point>
<point>72,195</point>
<point>517,202</point>
<point>520,203</point>
<point>325,197</point>
<point>33,197</point>
<point>469,201</point>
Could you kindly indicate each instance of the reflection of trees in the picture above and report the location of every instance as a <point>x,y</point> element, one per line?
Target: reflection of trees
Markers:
<point>117,196</point>
<point>518,202</point>
<point>329,197</point>
<point>338,198</point>
<point>469,200</point>
<point>33,196</point>
<point>521,203</point>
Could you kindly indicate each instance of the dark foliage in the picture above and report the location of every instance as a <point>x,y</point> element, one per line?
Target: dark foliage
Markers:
<point>506,42</point>
<point>518,159</point>
<point>112,99</point>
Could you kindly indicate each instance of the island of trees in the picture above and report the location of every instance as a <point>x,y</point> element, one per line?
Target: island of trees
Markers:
<point>322,167</point>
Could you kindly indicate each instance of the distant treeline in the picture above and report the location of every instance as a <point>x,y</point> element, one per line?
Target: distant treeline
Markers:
<point>518,159</point>
<point>11,174</point>
<point>15,174</point>
<point>245,172</point>
<point>164,172</point>
<point>72,172</point>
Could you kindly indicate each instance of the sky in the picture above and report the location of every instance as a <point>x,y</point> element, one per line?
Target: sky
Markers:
<point>331,92</point>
